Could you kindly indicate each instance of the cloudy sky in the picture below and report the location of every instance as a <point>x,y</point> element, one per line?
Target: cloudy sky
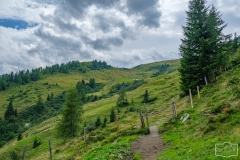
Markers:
<point>124,33</point>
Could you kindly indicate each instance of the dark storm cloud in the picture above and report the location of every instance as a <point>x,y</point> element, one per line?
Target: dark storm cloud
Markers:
<point>150,16</point>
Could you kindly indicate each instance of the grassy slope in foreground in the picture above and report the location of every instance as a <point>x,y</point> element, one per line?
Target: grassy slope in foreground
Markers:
<point>214,119</point>
<point>164,87</point>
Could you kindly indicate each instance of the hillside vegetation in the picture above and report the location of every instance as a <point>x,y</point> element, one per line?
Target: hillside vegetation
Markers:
<point>159,77</point>
<point>214,118</point>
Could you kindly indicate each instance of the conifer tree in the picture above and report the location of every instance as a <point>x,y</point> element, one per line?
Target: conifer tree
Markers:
<point>98,122</point>
<point>146,96</point>
<point>71,115</point>
<point>212,56</point>
<point>122,99</point>
<point>235,43</point>
<point>112,116</point>
<point>40,105</point>
<point>10,112</point>
<point>202,47</point>
<point>194,30</point>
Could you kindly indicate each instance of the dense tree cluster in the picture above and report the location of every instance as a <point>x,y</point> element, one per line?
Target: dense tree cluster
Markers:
<point>23,77</point>
<point>13,122</point>
<point>97,65</point>
<point>127,86</point>
<point>203,47</point>
<point>84,88</point>
<point>161,69</point>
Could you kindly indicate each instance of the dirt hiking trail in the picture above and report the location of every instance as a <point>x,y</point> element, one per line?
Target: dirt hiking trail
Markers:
<point>149,146</point>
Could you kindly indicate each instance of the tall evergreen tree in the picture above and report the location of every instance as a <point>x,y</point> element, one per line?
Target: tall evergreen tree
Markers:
<point>10,113</point>
<point>122,99</point>
<point>146,96</point>
<point>235,43</point>
<point>212,55</point>
<point>40,105</point>
<point>81,90</point>
<point>112,116</point>
<point>72,114</point>
<point>202,45</point>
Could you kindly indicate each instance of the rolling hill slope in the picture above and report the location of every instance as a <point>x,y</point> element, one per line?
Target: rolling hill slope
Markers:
<point>57,83</point>
<point>214,118</point>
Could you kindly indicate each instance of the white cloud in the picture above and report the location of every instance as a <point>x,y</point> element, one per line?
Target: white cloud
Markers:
<point>124,33</point>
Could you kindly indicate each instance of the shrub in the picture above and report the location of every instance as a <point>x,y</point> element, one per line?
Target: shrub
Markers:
<point>20,137</point>
<point>137,156</point>
<point>217,109</point>
<point>98,122</point>
<point>209,128</point>
<point>36,143</point>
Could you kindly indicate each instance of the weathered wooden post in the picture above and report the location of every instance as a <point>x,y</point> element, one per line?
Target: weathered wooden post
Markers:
<point>23,154</point>
<point>141,118</point>
<point>117,121</point>
<point>190,94</point>
<point>146,115</point>
<point>85,143</point>
<point>206,80</point>
<point>198,92</point>
<point>50,149</point>
<point>173,109</point>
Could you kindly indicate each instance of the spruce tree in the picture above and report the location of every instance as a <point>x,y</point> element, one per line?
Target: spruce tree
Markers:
<point>71,115</point>
<point>112,116</point>
<point>81,91</point>
<point>98,122</point>
<point>235,43</point>
<point>212,56</point>
<point>194,31</point>
<point>202,47</point>
<point>146,97</point>
<point>122,99</point>
<point>40,105</point>
<point>10,113</point>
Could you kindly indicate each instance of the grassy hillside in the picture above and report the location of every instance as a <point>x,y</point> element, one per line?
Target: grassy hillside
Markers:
<point>127,118</point>
<point>214,119</point>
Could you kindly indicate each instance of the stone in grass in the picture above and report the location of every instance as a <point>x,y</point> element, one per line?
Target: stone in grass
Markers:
<point>136,127</point>
<point>184,117</point>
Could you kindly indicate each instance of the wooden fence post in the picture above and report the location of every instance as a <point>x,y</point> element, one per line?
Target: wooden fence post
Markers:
<point>50,149</point>
<point>190,94</point>
<point>141,118</point>
<point>206,80</point>
<point>85,143</point>
<point>117,121</point>
<point>173,109</point>
<point>23,154</point>
<point>198,92</point>
<point>146,115</point>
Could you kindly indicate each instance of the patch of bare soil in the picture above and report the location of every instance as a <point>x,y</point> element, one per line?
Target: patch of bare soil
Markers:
<point>149,146</point>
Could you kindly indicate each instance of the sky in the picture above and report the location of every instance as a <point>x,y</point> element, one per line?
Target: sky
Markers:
<point>124,33</point>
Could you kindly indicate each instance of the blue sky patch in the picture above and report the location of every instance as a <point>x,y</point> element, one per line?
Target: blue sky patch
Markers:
<point>15,24</point>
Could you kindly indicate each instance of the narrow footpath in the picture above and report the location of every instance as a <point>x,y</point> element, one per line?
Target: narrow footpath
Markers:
<point>149,146</point>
